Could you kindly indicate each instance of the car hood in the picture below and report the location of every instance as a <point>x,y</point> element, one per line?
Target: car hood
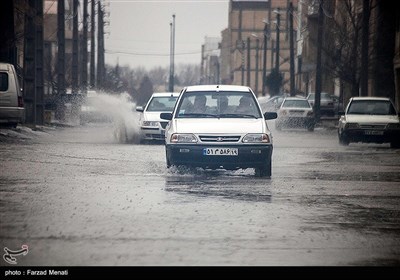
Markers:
<point>153,116</point>
<point>372,119</point>
<point>222,125</point>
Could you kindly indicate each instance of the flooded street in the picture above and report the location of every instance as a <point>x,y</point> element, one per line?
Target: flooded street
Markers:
<point>76,197</point>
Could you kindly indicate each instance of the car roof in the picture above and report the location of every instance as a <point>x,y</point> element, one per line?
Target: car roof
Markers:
<point>165,94</point>
<point>217,88</point>
<point>5,66</point>
<point>370,98</point>
<point>296,98</point>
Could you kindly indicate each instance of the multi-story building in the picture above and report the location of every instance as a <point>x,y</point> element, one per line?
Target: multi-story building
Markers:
<point>341,43</point>
<point>242,47</point>
<point>210,64</point>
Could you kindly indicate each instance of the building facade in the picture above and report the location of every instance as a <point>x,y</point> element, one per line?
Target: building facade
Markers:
<point>243,48</point>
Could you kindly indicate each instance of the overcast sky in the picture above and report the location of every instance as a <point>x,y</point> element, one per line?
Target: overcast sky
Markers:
<point>140,30</point>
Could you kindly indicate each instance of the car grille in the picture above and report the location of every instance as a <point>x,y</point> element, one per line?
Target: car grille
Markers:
<point>213,138</point>
<point>373,126</point>
<point>164,124</point>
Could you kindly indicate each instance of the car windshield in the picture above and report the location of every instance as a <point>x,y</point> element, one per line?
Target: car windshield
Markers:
<point>223,104</point>
<point>296,104</point>
<point>371,107</point>
<point>162,104</point>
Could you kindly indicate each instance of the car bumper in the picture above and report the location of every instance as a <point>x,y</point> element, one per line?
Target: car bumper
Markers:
<point>152,134</point>
<point>249,156</point>
<point>372,136</point>
<point>296,121</point>
<point>12,114</point>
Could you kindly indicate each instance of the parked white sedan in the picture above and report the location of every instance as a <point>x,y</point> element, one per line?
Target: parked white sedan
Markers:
<point>219,126</point>
<point>370,120</point>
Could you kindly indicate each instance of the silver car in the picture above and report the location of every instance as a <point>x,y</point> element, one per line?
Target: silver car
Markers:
<point>12,109</point>
<point>219,126</point>
<point>328,104</point>
<point>370,120</point>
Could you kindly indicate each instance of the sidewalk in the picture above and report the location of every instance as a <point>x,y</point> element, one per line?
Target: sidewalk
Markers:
<point>23,132</point>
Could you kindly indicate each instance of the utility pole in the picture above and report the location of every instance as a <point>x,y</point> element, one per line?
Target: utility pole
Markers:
<point>60,58</point>
<point>172,55</point>
<point>84,74</point>
<point>29,63</point>
<point>257,50</point>
<point>365,48</point>
<point>75,46</point>
<point>92,45</point>
<point>272,53</point>
<point>100,47</point>
<point>248,61</point>
<point>39,65</point>
<point>242,68</point>
<point>318,74</point>
<point>33,62</point>
<point>264,75</point>
<point>278,22</point>
<point>291,42</point>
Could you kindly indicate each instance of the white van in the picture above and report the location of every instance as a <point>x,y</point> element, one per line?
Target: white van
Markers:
<point>219,126</point>
<point>12,109</point>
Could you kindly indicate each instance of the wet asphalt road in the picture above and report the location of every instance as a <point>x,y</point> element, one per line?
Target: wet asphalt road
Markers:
<point>76,196</point>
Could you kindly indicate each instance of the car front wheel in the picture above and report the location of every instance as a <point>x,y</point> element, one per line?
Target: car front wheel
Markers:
<point>343,140</point>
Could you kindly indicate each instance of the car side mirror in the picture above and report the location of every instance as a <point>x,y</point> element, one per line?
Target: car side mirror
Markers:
<point>139,109</point>
<point>270,115</point>
<point>341,113</point>
<point>166,116</point>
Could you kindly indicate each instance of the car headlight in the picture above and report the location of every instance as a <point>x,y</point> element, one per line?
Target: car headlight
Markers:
<point>256,138</point>
<point>393,126</point>
<point>149,123</point>
<point>352,126</point>
<point>183,138</point>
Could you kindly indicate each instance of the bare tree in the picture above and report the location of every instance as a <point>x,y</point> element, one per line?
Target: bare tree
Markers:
<point>344,47</point>
<point>188,74</point>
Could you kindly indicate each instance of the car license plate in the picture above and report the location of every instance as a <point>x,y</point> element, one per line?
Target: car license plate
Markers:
<point>220,152</point>
<point>373,132</point>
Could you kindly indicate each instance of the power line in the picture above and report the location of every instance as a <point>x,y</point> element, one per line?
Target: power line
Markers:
<point>149,54</point>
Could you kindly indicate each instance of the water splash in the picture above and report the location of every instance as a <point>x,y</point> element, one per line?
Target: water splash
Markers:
<point>121,111</point>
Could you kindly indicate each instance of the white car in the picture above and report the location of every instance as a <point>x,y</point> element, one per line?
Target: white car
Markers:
<point>328,105</point>
<point>152,127</point>
<point>370,120</point>
<point>219,126</point>
<point>12,109</point>
<point>295,112</point>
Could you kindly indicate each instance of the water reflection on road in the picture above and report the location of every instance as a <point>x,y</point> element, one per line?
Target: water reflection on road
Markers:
<point>238,185</point>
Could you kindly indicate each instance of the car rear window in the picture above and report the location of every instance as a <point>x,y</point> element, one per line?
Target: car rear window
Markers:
<point>296,104</point>
<point>3,81</point>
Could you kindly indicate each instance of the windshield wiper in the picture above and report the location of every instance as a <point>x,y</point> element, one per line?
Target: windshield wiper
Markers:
<point>197,115</point>
<point>237,116</point>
